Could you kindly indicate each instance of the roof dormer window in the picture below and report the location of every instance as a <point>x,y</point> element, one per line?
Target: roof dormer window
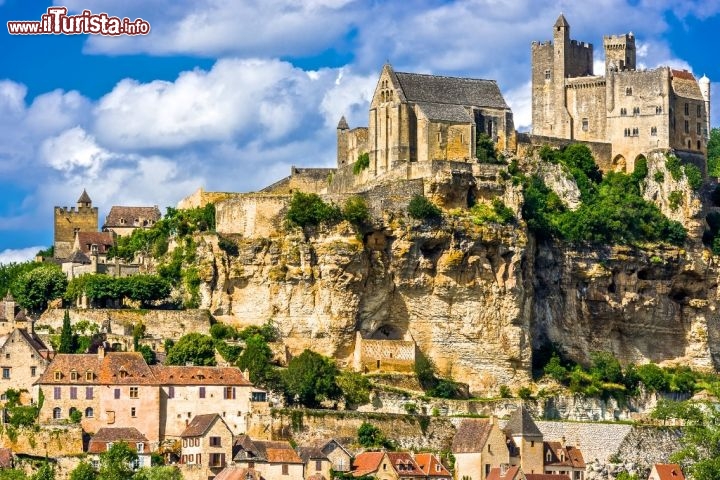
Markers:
<point>73,376</point>
<point>124,373</point>
<point>58,375</point>
<point>88,376</point>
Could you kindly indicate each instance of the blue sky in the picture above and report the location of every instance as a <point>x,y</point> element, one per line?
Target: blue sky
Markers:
<point>228,94</point>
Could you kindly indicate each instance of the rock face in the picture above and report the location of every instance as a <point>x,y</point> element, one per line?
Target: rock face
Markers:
<point>476,299</point>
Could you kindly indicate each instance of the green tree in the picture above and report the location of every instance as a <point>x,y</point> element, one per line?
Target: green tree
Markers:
<point>194,348</point>
<point>115,463</point>
<point>67,339</point>
<point>555,369</point>
<point>84,471</point>
<point>700,453</point>
<point>146,288</point>
<point>255,358</point>
<point>148,354</point>
<point>10,272</point>
<point>370,436</point>
<point>653,377</point>
<point>223,331</point>
<point>423,209</point>
<point>158,473</point>
<point>36,288</point>
<point>485,149</point>
<point>356,211</point>
<point>310,378</point>
<point>714,153</point>
<point>355,388</point>
<point>45,472</point>
<point>605,367</point>
<point>308,209</point>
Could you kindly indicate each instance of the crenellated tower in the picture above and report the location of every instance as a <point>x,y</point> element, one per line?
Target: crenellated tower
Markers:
<point>70,220</point>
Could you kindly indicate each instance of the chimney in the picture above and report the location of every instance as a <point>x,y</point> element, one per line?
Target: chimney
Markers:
<point>564,441</point>
<point>503,468</point>
<point>101,352</point>
<point>492,419</point>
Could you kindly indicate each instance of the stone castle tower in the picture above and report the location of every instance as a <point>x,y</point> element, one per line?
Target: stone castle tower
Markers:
<point>635,111</point>
<point>69,221</point>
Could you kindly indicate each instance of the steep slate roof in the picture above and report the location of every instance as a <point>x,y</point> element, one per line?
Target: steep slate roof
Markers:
<point>685,85</point>
<point>84,197</point>
<point>311,453</point>
<point>196,375</point>
<point>329,446</point>
<point>472,435</point>
<point>33,341</point>
<point>669,471</point>
<point>573,456</point>
<point>522,424</point>
<point>125,216</point>
<point>404,464</point>
<point>79,257</point>
<point>562,21</point>
<point>103,240</point>
<point>421,88</point>
<point>444,112</point>
<point>130,435</point>
<point>264,451</point>
<point>342,124</point>
<point>510,474</point>
<point>428,464</point>
<point>366,463</point>
<point>199,425</point>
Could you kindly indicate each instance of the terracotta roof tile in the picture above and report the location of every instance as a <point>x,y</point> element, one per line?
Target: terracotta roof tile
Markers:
<point>545,476</point>
<point>283,455</point>
<point>510,473</point>
<point>130,435</point>
<point>120,216</point>
<point>669,471</point>
<point>66,363</point>
<point>180,375</point>
<point>472,435</point>
<point>366,462</point>
<point>404,464</point>
<point>572,456</point>
<point>126,368</point>
<point>200,424</point>
<point>103,240</point>
<point>234,473</point>
<point>247,449</point>
<point>429,464</point>
<point>684,74</point>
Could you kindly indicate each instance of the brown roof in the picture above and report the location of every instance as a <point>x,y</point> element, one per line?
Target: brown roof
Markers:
<point>510,473</point>
<point>33,340</point>
<point>311,453</point>
<point>181,375</point>
<point>234,473</point>
<point>545,476</point>
<point>684,74</point>
<point>429,464</point>
<point>128,368</point>
<point>669,471</point>
<point>66,363</point>
<point>522,424</point>
<point>132,216</point>
<point>685,85</point>
<point>130,435</point>
<point>317,476</point>
<point>366,462</point>
<point>200,424</point>
<point>404,464</point>
<point>566,456</point>
<point>103,240</point>
<point>247,449</point>
<point>84,197</point>
<point>472,435</point>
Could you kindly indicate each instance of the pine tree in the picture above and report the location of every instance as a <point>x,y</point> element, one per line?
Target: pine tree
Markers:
<point>67,340</point>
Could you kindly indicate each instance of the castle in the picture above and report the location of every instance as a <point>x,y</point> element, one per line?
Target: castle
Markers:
<point>633,110</point>
<point>70,221</point>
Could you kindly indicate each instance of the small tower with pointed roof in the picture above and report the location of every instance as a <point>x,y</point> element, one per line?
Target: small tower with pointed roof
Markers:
<point>71,220</point>
<point>528,439</point>
<point>342,142</point>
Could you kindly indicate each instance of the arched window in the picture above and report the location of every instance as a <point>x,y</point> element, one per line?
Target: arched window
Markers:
<point>57,413</point>
<point>89,412</point>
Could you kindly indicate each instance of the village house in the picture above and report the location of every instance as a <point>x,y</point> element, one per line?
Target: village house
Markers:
<point>404,466</point>
<point>124,221</point>
<point>478,446</point>
<point>23,355</point>
<point>337,454</point>
<point>239,473</point>
<point>506,472</point>
<point>432,467</point>
<point>373,464</point>
<point>564,460</point>
<point>119,388</point>
<point>546,476</point>
<point>317,464</point>
<point>526,445</point>
<point>666,471</point>
<point>104,438</point>
<point>186,391</point>
<point>272,460</point>
<point>206,445</point>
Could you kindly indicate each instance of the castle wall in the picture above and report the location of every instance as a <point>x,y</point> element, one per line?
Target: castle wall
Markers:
<point>357,143</point>
<point>69,220</point>
<point>200,198</point>
<point>585,100</point>
<point>383,355</point>
<point>446,141</point>
<point>578,59</point>
<point>688,115</point>
<point>601,151</point>
<point>251,215</point>
<point>543,87</point>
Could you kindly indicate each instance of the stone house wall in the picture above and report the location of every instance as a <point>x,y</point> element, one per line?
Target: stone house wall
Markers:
<point>22,364</point>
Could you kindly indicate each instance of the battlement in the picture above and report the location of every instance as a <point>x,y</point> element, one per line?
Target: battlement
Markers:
<point>75,210</point>
<point>581,44</point>
<point>619,38</point>
<point>547,43</point>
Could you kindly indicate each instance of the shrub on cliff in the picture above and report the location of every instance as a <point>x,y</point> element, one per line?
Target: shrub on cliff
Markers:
<point>362,163</point>
<point>194,348</point>
<point>310,379</point>
<point>356,211</point>
<point>421,208</point>
<point>308,209</point>
<point>485,150</point>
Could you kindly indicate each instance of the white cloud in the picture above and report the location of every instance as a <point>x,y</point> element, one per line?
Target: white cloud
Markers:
<point>74,150</point>
<point>10,255</point>
<point>520,101</point>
